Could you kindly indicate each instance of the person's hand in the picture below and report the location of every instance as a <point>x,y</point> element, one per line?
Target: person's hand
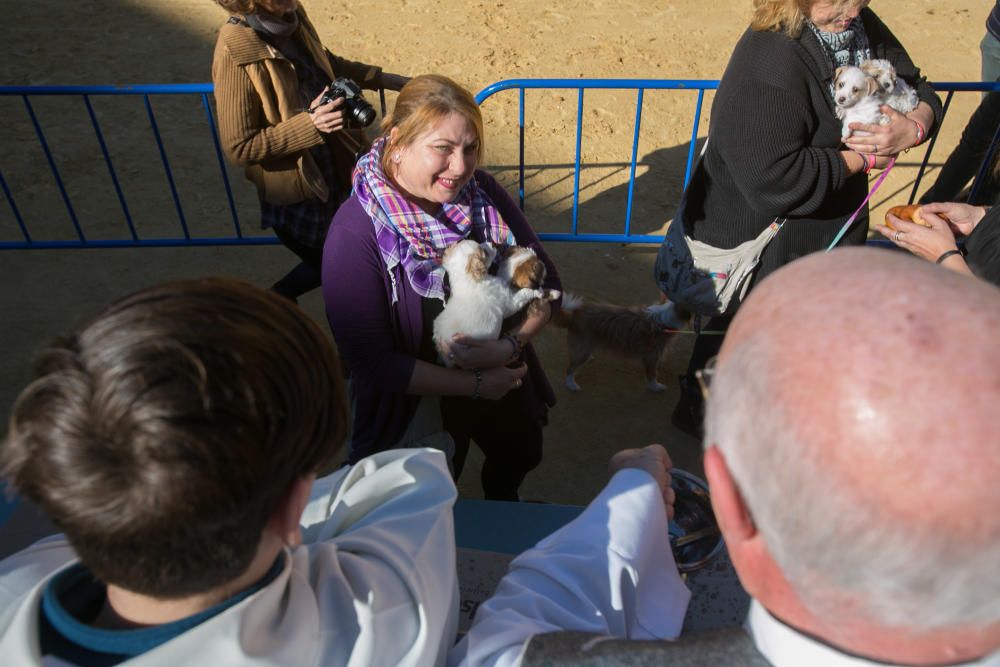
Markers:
<point>654,460</point>
<point>328,117</point>
<point>467,352</point>
<point>391,81</point>
<point>884,140</point>
<point>496,382</point>
<point>927,242</point>
<point>962,218</point>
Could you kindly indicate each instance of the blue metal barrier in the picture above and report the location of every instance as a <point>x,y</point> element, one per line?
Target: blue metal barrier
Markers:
<point>132,238</point>
<point>640,86</point>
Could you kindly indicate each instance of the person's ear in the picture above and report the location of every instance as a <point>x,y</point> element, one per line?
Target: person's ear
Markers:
<point>284,521</point>
<point>731,512</point>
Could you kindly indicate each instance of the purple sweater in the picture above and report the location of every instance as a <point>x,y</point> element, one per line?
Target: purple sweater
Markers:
<point>380,341</point>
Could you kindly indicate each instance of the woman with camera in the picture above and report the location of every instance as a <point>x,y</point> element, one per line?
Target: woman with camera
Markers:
<point>416,193</point>
<point>279,118</point>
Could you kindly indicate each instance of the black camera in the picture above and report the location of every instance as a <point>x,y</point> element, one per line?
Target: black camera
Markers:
<point>357,112</point>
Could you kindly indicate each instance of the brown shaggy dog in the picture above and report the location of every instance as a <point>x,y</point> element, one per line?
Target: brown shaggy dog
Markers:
<point>632,331</point>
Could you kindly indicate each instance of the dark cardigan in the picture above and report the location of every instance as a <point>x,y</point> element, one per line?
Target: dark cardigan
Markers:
<point>983,247</point>
<point>774,147</point>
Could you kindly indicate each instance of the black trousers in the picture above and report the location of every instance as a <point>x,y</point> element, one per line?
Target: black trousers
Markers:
<point>964,162</point>
<point>306,275</point>
<point>511,442</point>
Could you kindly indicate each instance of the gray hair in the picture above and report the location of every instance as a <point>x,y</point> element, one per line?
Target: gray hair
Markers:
<point>831,542</point>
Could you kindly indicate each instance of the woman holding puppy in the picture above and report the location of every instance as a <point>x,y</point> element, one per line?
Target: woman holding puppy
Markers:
<point>774,149</point>
<point>931,233</point>
<point>416,193</point>
<point>271,72</point>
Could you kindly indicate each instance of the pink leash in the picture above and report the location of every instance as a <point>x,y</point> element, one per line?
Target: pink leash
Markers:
<point>850,220</point>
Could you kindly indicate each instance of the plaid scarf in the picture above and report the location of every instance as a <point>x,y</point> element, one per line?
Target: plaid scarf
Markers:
<point>409,236</point>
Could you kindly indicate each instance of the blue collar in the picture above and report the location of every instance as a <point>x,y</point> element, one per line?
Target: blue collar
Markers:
<point>74,597</point>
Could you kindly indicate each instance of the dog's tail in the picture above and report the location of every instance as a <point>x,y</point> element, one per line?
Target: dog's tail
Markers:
<point>570,304</point>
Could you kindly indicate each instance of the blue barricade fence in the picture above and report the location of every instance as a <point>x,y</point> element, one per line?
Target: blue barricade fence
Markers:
<point>77,236</point>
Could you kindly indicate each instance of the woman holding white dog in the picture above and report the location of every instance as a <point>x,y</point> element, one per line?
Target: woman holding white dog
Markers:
<point>416,193</point>
<point>774,150</point>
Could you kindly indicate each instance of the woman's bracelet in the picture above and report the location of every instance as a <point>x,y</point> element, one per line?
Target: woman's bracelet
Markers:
<point>921,132</point>
<point>946,255</point>
<point>515,347</point>
<point>864,158</point>
<point>479,381</point>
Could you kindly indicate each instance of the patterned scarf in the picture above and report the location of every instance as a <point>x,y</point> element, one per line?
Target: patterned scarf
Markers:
<point>849,47</point>
<point>278,27</point>
<point>406,234</point>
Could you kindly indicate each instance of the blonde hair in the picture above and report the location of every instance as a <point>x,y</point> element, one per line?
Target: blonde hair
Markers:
<point>788,16</point>
<point>239,6</point>
<point>421,104</point>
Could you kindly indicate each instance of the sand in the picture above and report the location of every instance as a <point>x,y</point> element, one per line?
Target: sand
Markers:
<point>138,41</point>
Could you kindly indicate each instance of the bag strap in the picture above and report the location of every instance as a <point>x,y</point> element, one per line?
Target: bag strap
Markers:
<point>850,220</point>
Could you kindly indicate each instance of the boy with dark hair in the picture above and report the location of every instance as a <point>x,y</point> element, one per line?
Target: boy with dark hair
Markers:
<point>175,439</point>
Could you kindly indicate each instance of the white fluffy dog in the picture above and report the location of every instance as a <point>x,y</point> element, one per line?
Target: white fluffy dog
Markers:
<point>858,97</point>
<point>898,94</point>
<point>479,302</point>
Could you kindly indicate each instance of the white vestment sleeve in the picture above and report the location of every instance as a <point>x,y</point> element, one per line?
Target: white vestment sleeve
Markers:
<point>381,534</point>
<point>610,571</point>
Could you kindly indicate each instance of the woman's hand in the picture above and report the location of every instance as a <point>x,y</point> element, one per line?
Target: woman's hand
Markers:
<point>654,460</point>
<point>497,382</point>
<point>466,352</point>
<point>927,242</point>
<point>962,218</point>
<point>884,140</point>
<point>328,117</point>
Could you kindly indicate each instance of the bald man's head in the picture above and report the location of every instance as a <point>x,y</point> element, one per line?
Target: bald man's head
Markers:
<point>854,401</point>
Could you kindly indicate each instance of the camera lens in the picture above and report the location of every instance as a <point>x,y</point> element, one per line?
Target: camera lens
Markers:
<point>364,115</point>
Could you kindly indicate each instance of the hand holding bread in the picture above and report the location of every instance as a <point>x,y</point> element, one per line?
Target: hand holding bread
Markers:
<point>910,213</point>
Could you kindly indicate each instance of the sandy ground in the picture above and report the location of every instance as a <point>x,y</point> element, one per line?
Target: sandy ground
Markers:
<point>140,41</point>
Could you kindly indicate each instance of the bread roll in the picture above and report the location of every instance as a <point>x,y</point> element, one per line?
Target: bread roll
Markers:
<point>910,213</point>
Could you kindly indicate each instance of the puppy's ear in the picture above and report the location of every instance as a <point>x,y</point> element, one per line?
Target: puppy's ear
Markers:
<point>529,273</point>
<point>837,72</point>
<point>478,265</point>
<point>873,87</point>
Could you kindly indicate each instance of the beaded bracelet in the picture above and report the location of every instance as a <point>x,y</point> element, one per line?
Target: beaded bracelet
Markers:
<point>479,381</point>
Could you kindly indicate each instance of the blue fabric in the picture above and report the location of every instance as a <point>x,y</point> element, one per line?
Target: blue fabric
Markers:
<point>993,21</point>
<point>74,597</point>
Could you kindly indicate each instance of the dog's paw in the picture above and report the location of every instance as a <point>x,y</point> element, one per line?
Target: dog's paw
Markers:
<point>572,385</point>
<point>655,387</point>
<point>553,294</point>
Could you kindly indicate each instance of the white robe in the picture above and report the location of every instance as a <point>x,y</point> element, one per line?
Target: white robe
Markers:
<point>374,584</point>
<point>610,571</point>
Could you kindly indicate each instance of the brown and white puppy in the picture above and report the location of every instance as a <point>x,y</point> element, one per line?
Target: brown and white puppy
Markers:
<point>898,94</point>
<point>635,331</point>
<point>521,268</point>
<point>479,302</point>
<point>858,99</point>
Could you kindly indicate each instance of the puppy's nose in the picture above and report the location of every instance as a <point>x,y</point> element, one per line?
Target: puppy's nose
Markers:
<point>840,100</point>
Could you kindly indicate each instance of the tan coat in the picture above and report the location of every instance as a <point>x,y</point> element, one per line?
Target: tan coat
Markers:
<point>262,124</point>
